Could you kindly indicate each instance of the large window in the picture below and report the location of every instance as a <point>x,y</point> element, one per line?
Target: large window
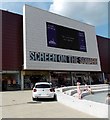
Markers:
<point>65,38</point>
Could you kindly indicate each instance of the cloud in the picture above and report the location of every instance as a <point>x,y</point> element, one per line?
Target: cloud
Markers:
<point>94,13</point>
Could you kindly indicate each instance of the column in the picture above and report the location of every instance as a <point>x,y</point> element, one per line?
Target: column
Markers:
<point>103,76</point>
<point>22,81</point>
<point>71,78</point>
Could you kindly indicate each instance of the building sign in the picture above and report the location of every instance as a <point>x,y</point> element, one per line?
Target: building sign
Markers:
<point>49,57</point>
<point>53,42</point>
<point>65,38</point>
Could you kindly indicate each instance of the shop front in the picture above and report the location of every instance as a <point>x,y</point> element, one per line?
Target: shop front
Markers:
<point>60,78</point>
<point>57,78</point>
<point>68,78</point>
<point>26,79</point>
<point>29,78</point>
<point>11,80</point>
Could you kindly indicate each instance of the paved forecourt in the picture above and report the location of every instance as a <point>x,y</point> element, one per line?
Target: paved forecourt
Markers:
<point>18,104</point>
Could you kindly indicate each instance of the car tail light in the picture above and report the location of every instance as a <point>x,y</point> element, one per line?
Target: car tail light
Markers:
<point>52,90</point>
<point>34,90</point>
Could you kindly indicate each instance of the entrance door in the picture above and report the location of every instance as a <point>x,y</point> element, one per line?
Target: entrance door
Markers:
<point>29,81</point>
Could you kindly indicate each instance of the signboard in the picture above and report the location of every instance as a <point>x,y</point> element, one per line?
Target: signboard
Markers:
<point>49,57</point>
<point>53,42</point>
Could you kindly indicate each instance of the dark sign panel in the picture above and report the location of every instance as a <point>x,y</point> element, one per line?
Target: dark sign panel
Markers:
<point>65,38</point>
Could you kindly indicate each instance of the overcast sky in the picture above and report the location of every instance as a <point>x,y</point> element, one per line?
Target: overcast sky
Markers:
<point>88,11</point>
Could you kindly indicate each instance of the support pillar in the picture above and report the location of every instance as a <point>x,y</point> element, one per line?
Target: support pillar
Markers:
<point>103,76</point>
<point>22,81</point>
<point>71,78</point>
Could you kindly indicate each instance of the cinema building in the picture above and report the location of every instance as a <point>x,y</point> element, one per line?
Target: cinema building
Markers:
<point>42,46</point>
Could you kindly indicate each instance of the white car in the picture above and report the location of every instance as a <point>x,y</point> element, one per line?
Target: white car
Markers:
<point>43,90</point>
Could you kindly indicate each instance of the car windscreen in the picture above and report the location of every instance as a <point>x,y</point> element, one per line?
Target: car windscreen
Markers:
<point>42,86</point>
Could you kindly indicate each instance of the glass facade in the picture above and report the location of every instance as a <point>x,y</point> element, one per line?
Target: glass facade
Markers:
<point>11,81</point>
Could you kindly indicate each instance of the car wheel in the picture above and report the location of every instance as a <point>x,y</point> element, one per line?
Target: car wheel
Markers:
<point>34,99</point>
<point>55,98</point>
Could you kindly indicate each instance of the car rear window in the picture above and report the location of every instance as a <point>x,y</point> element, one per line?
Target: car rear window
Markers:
<point>42,86</point>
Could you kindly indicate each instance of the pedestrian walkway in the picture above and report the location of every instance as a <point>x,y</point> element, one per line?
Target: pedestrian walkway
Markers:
<point>18,104</point>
